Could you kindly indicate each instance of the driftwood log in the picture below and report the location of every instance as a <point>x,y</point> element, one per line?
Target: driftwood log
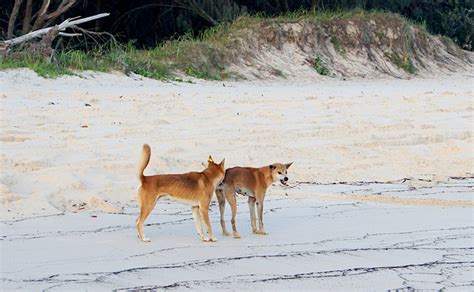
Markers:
<point>68,23</point>
<point>48,34</point>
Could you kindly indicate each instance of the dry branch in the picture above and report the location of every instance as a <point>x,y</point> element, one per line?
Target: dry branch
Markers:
<point>63,7</point>
<point>40,14</point>
<point>69,34</point>
<point>13,15</point>
<point>70,22</point>
<point>27,19</point>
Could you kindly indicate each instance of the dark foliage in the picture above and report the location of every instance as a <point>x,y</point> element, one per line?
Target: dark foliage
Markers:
<point>150,21</point>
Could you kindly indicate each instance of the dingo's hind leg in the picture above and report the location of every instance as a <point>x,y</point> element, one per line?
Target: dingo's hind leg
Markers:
<point>221,200</point>
<point>147,203</point>
<point>253,219</point>
<point>230,196</point>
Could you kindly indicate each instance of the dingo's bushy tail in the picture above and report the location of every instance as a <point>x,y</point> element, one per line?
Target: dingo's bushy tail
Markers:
<point>146,153</point>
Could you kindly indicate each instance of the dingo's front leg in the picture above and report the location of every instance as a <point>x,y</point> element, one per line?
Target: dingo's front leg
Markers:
<point>205,217</point>
<point>261,228</point>
<point>197,221</point>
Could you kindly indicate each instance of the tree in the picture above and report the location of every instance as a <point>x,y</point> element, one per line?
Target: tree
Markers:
<point>44,16</point>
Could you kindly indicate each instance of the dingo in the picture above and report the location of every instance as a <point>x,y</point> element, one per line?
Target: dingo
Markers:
<point>193,188</point>
<point>251,182</point>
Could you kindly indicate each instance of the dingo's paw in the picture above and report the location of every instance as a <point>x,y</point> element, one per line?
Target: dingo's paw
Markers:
<point>261,232</point>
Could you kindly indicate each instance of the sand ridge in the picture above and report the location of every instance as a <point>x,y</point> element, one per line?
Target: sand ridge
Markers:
<point>395,200</point>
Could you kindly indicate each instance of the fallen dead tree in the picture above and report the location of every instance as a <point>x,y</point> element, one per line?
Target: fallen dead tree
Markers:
<point>48,34</point>
<point>68,23</point>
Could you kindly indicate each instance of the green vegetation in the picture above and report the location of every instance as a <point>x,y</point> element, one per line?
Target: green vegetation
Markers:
<point>206,55</point>
<point>320,15</point>
<point>200,57</point>
<point>403,62</point>
<point>149,63</point>
<point>35,63</point>
<point>148,22</point>
<point>320,66</point>
<point>65,62</point>
<point>197,57</point>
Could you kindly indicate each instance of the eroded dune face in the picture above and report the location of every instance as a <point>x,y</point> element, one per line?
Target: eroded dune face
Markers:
<point>60,154</point>
<point>375,46</point>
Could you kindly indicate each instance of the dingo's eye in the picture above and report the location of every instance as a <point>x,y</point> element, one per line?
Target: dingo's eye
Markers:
<point>279,172</point>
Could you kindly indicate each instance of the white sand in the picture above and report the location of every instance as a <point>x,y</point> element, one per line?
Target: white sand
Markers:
<point>415,231</point>
<point>313,245</point>
<point>361,130</point>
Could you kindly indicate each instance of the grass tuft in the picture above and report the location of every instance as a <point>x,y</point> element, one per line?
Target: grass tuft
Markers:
<point>403,62</point>
<point>320,66</point>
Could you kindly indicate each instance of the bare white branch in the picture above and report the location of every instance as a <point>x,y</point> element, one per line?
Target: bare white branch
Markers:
<point>69,34</point>
<point>60,27</point>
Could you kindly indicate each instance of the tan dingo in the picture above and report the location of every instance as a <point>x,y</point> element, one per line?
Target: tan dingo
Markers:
<point>251,182</point>
<point>193,188</point>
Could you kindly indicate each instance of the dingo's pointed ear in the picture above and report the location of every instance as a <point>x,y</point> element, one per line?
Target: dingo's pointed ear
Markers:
<point>222,162</point>
<point>210,160</point>
<point>272,167</point>
<point>288,165</point>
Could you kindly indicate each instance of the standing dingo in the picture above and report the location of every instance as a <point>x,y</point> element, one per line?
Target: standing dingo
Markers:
<point>251,182</point>
<point>193,188</point>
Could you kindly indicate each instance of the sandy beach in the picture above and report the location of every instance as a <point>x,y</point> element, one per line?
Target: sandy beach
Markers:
<point>381,188</point>
<point>314,244</point>
<point>72,140</point>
